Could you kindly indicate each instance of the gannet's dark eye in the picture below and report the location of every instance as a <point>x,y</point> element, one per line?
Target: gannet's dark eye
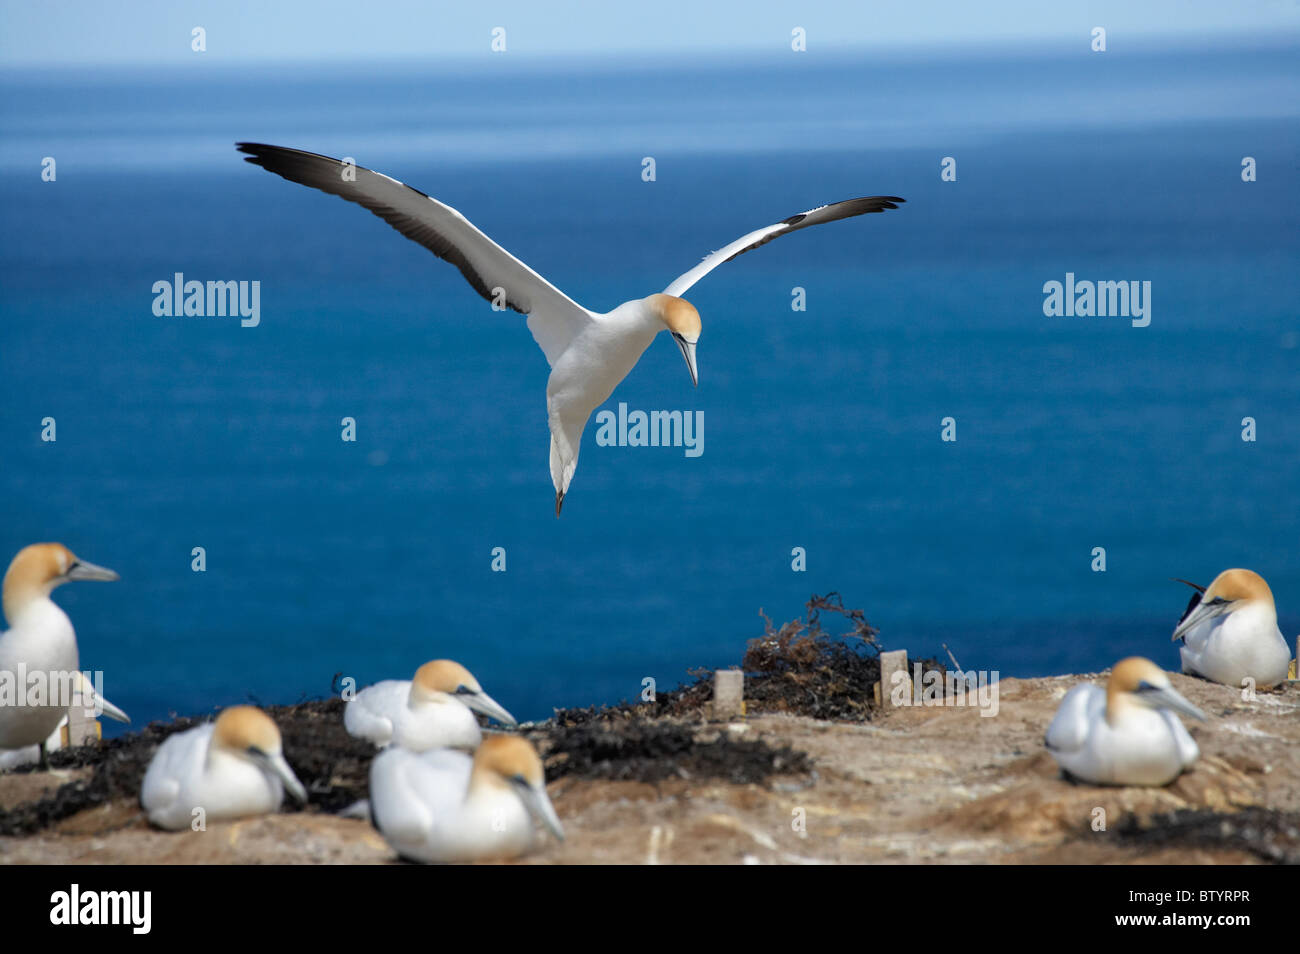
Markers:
<point>1147,687</point>
<point>465,691</point>
<point>1219,601</point>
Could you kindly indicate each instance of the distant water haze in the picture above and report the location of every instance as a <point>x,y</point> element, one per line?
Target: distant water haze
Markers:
<point>823,426</point>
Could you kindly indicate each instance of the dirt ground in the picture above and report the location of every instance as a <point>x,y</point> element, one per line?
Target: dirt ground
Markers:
<point>908,785</point>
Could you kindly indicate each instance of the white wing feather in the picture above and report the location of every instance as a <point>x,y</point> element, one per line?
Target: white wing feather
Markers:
<point>818,216</point>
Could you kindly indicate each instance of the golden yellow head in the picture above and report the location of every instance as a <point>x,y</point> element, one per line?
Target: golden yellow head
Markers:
<point>443,676</point>
<point>39,568</point>
<point>1238,584</point>
<point>1136,682</point>
<point>678,315</point>
<point>1128,674</point>
<point>248,733</point>
<point>510,757</point>
<point>241,728</point>
<point>510,762</point>
<point>39,564</point>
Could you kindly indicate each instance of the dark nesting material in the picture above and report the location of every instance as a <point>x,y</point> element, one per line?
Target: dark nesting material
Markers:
<point>1264,832</point>
<point>627,750</point>
<point>799,669</point>
<point>119,766</point>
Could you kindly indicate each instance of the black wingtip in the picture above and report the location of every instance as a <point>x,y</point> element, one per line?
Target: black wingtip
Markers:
<point>258,153</point>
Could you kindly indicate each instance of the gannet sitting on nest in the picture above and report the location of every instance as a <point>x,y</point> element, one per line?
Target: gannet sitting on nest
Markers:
<point>228,769</point>
<point>1230,634</point>
<point>431,711</point>
<point>1126,733</point>
<point>446,806</point>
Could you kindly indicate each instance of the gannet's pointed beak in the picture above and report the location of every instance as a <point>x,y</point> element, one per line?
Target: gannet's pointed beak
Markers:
<point>1169,698</point>
<point>112,711</point>
<point>688,352</point>
<point>280,767</point>
<point>94,702</point>
<point>1203,611</point>
<point>539,806</point>
<point>559,501</point>
<point>81,570</point>
<point>481,702</point>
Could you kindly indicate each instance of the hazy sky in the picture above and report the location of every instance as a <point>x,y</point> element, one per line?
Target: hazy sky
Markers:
<point>158,32</point>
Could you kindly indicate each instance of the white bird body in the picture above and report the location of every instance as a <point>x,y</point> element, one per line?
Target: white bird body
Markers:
<point>229,768</point>
<point>1123,735</point>
<point>420,806</point>
<point>588,371</point>
<point>447,806</point>
<point>185,774</point>
<point>1230,633</point>
<point>1145,747</point>
<point>43,641</point>
<point>88,700</point>
<point>432,711</point>
<point>382,714</point>
<point>589,353</point>
<point>40,642</point>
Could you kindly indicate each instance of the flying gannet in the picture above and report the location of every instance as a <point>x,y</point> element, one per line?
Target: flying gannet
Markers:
<point>430,711</point>
<point>446,806</point>
<point>40,646</point>
<point>1124,735</point>
<point>1230,633</point>
<point>589,353</point>
<point>229,768</point>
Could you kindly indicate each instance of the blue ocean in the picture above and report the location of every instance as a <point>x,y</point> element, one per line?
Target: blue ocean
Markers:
<point>822,427</point>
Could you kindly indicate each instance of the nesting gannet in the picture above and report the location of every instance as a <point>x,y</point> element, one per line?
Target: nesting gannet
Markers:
<point>228,768</point>
<point>1230,634</point>
<point>431,711</point>
<point>589,353</point>
<point>1125,735</point>
<point>40,647</point>
<point>445,805</point>
<point>84,697</point>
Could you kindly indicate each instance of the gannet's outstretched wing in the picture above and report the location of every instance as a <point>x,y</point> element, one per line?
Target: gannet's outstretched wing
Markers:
<point>817,216</point>
<point>553,317</point>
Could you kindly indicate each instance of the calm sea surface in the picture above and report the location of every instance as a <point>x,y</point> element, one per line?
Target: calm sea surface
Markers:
<point>822,428</point>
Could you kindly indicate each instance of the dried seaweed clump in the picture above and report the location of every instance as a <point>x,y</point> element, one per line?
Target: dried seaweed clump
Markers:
<point>1264,832</point>
<point>799,668</point>
<point>802,669</point>
<point>655,751</point>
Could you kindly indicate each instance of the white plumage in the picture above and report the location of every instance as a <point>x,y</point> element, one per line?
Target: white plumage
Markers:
<point>435,709</point>
<point>1230,633</point>
<point>40,643</point>
<point>589,353</point>
<point>227,769</point>
<point>446,806</point>
<point>1124,734</point>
